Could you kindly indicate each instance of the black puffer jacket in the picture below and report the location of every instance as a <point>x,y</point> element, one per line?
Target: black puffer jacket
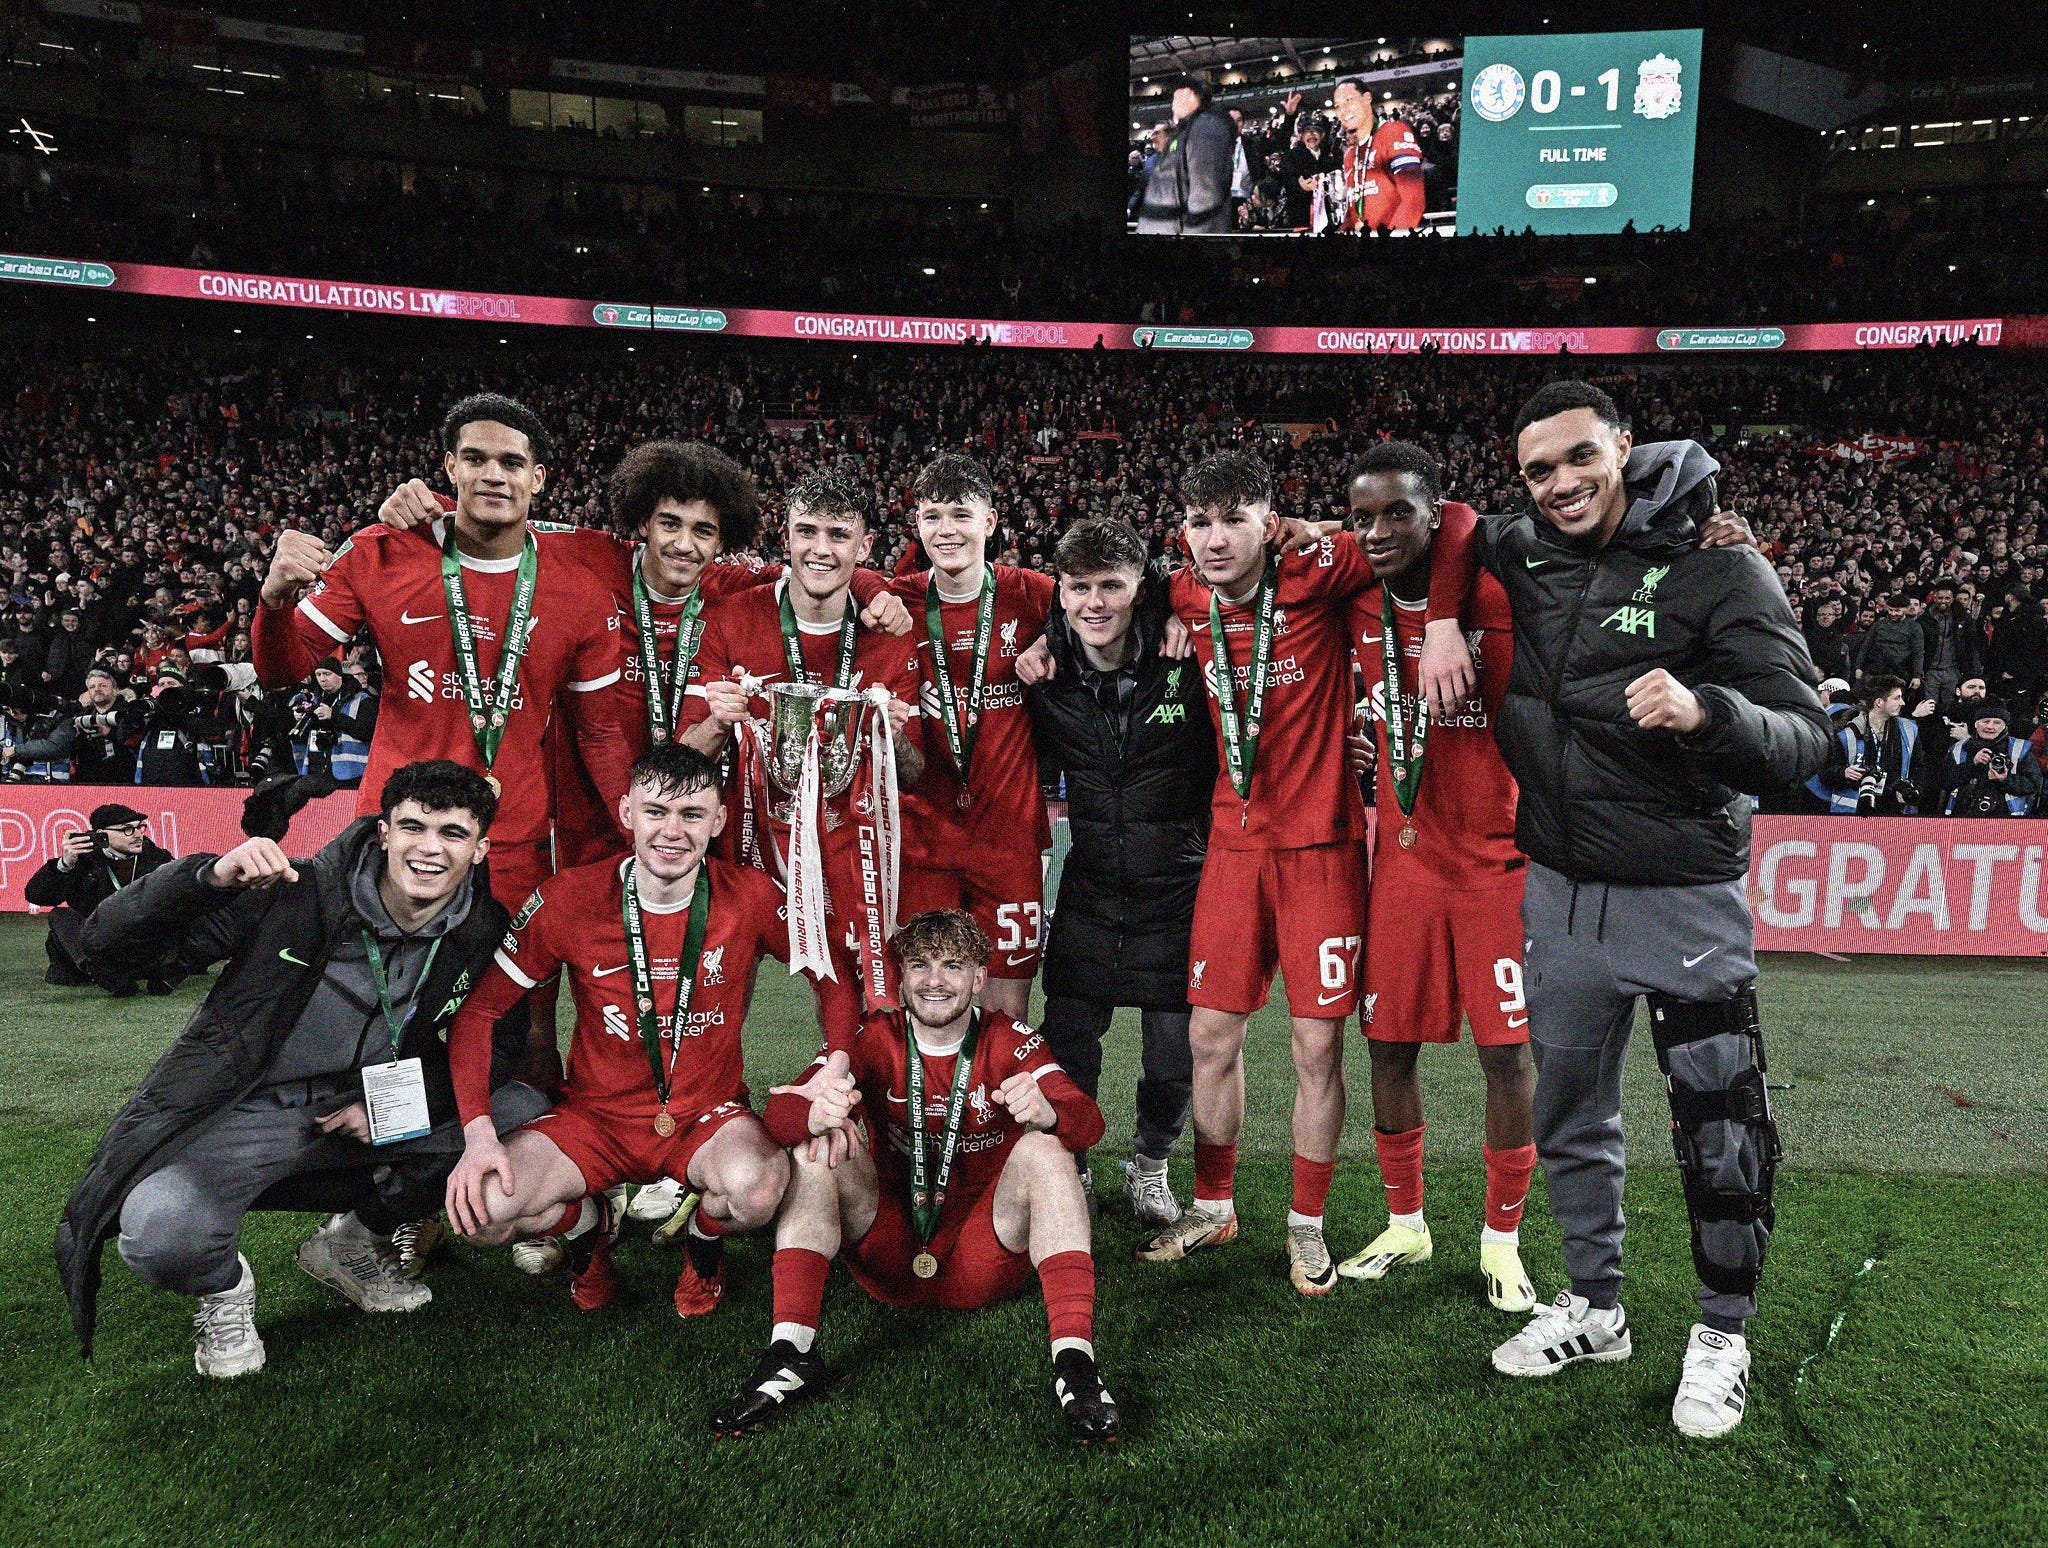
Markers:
<point>275,943</point>
<point>1602,799</point>
<point>1188,192</point>
<point>1138,807</point>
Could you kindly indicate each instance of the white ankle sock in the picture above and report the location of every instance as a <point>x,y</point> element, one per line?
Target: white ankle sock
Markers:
<point>1061,1345</point>
<point>1488,1236</point>
<point>1412,1222</point>
<point>1294,1219</point>
<point>793,1333</point>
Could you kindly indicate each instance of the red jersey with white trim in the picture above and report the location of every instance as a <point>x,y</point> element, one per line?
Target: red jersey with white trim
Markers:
<point>1302,792</point>
<point>1006,803</point>
<point>1374,174</point>
<point>1464,815</point>
<point>743,635</point>
<point>582,820</point>
<point>881,1070</point>
<point>391,581</point>
<point>573,920</point>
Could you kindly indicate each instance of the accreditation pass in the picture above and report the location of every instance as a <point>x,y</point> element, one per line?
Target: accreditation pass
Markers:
<point>396,1096</point>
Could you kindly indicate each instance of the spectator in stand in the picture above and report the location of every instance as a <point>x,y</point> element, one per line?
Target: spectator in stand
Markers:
<point>332,722</point>
<point>1992,773</point>
<point>1894,647</point>
<point>1306,161</point>
<point>69,653</point>
<point>1951,649</point>
<point>90,867</point>
<point>1824,638</point>
<point>1878,766</point>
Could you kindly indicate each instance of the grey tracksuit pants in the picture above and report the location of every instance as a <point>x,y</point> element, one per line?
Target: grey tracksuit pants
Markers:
<point>1590,950</point>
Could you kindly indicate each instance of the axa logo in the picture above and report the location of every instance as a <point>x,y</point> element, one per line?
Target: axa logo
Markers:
<point>1651,579</point>
<point>1632,620</point>
<point>419,682</point>
<point>712,969</point>
<point>1195,973</point>
<point>1167,715</point>
<point>615,1023</point>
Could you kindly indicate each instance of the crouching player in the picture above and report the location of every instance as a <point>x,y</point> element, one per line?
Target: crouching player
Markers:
<point>954,1209</point>
<point>661,949</point>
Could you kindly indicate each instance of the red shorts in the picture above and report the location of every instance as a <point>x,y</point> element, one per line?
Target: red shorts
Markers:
<point>1301,911</point>
<point>1435,955</point>
<point>975,1268</point>
<point>517,869</point>
<point>1001,886</point>
<point>609,1150</point>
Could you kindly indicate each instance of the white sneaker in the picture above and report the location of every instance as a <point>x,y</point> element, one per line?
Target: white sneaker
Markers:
<point>1560,1334</point>
<point>657,1202</point>
<point>226,1340</point>
<point>365,1268</point>
<point>1713,1387</point>
<point>1150,1196</point>
<point>537,1255</point>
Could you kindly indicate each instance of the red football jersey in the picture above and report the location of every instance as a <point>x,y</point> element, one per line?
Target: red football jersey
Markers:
<point>1376,174</point>
<point>1006,803</point>
<point>573,921</point>
<point>881,1070</point>
<point>583,822</point>
<point>391,582</point>
<point>1464,815</point>
<point>1302,792</point>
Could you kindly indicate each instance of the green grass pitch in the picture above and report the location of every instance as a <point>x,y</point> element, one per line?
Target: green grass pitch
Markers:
<point>1915,1111</point>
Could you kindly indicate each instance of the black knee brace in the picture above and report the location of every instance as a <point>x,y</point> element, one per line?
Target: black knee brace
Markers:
<point>1727,1173</point>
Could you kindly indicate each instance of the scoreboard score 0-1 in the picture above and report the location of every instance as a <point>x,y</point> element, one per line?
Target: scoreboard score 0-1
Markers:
<point>1578,133</point>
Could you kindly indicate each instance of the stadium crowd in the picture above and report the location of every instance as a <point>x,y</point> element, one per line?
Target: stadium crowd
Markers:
<point>140,493</point>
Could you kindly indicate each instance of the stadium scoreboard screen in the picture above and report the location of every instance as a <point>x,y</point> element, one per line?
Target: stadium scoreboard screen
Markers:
<point>1560,133</point>
<point>1579,133</point>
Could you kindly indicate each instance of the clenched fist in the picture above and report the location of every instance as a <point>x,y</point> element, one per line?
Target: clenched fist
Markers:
<point>1657,701</point>
<point>298,560</point>
<point>256,862</point>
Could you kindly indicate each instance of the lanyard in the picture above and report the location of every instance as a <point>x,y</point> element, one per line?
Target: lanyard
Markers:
<point>487,718</point>
<point>1403,722</point>
<point>960,738</point>
<point>928,1198</point>
<point>651,1024</point>
<point>665,689</point>
<point>1241,738</point>
<point>793,652</point>
<point>394,1023</point>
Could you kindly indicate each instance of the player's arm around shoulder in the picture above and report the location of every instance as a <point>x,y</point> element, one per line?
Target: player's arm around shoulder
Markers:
<point>1762,720</point>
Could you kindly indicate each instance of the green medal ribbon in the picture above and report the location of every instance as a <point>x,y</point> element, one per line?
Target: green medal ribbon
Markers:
<point>394,1023</point>
<point>1241,737</point>
<point>665,688</point>
<point>960,738</point>
<point>793,651</point>
<point>927,1198</point>
<point>651,1024</point>
<point>487,718</point>
<point>1404,762</point>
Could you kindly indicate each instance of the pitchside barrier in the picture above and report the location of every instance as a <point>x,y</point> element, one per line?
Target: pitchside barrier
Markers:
<point>1841,886</point>
<point>324,295</point>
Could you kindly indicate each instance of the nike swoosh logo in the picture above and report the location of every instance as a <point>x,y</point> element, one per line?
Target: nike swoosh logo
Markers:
<point>286,953</point>
<point>1518,1021</point>
<point>1535,564</point>
<point>607,972</point>
<point>1695,961</point>
<point>1331,999</point>
<point>1012,959</point>
<point>407,618</point>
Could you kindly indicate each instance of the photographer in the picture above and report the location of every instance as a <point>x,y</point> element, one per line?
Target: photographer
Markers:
<point>99,739</point>
<point>1876,768</point>
<point>169,754</point>
<point>332,722</point>
<point>90,868</point>
<point>1992,773</point>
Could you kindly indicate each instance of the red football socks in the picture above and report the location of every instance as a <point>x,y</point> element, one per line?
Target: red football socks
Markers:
<point>1401,1168</point>
<point>1507,1185</point>
<point>706,1227</point>
<point>1215,1172</point>
<point>799,1275</point>
<point>1068,1279</point>
<point>571,1213</point>
<point>1311,1184</point>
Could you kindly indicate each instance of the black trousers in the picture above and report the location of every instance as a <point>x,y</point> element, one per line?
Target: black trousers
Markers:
<point>65,947</point>
<point>1074,1028</point>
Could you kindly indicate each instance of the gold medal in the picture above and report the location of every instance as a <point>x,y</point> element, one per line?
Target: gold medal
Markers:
<point>496,788</point>
<point>664,1125</point>
<point>924,1265</point>
<point>1408,836</point>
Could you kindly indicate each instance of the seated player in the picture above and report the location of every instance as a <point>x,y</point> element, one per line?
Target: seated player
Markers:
<point>661,949</point>
<point>954,1210</point>
<point>1443,933</point>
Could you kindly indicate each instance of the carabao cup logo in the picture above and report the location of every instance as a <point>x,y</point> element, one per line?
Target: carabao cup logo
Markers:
<point>1498,93</point>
